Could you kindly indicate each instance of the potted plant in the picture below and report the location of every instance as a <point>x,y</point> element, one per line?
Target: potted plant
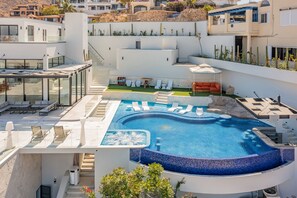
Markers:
<point>88,192</point>
<point>270,192</point>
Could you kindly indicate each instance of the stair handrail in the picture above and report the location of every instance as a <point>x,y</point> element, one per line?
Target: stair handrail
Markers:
<point>63,185</point>
<point>96,51</point>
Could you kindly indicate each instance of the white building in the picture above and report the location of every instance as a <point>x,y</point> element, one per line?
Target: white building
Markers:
<point>58,62</point>
<point>44,60</point>
<point>93,7</point>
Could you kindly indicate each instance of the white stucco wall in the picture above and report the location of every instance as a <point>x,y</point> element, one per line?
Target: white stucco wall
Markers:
<point>76,36</point>
<point>55,166</point>
<point>187,45</point>
<point>106,160</point>
<point>20,176</point>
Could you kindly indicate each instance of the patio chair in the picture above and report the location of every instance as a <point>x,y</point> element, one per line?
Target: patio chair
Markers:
<point>135,106</point>
<point>199,111</point>
<point>170,84</point>
<point>128,83</point>
<point>60,133</point>
<point>133,83</point>
<point>188,109</point>
<point>37,133</point>
<point>145,106</point>
<point>137,83</point>
<point>159,84</point>
<point>173,107</point>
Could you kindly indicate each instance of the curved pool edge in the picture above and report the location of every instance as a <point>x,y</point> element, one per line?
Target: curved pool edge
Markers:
<point>232,166</point>
<point>230,184</point>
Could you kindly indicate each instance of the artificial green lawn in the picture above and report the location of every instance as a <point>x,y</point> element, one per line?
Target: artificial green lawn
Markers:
<point>177,91</point>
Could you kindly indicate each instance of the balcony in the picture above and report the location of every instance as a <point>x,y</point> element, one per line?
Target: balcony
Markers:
<point>9,38</point>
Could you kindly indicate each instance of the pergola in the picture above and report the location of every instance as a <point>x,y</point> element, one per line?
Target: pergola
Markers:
<point>206,69</point>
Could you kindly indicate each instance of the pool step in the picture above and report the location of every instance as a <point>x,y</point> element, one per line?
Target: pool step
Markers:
<point>101,109</point>
<point>162,97</point>
<point>96,90</point>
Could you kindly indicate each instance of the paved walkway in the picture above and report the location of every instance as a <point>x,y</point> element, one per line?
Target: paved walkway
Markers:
<point>69,118</point>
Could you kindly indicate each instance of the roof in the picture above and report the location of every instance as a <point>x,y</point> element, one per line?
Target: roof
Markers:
<point>63,71</point>
<point>236,8</point>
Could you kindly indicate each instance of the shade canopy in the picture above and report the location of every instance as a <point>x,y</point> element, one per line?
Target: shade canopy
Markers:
<point>205,69</point>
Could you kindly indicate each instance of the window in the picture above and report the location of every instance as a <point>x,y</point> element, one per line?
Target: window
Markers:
<point>8,32</point>
<point>15,64</point>
<point>56,61</point>
<point>288,17</point>
<point>2,64</point>
<point>30,33</point>
<point>44,35</point>
<point>33,64</point>
<point>16,89</point>
<point>255,15</point>
<point>3,89</point>
<point>264,18</point>
<point>33,89</point>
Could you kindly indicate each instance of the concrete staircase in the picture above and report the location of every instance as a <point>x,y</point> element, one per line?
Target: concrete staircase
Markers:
<point>95,54</point>
<point>87,167</point>
<point>87,175</point>
<point>162,97</point>
<point>96,90</point>
<point>101,109</point>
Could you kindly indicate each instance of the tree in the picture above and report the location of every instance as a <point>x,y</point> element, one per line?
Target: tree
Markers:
<point>67,7</point>
<point>50,10</point>
<point>190,3</point>
<point>137,183</point>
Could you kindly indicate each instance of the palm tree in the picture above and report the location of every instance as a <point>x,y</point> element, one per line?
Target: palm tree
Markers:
<point>67,7</point>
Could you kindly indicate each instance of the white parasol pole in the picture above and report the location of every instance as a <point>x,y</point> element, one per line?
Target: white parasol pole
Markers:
<point>82,131</point>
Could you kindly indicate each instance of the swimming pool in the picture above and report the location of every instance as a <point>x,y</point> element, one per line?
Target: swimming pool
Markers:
<point>208,140</point>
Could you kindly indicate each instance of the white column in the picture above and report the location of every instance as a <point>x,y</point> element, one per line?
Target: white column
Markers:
<point>248,45</point>
<point>227,21</point>
<point>45,88</point>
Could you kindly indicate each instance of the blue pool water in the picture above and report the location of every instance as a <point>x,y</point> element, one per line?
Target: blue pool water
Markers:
<point>207,137</point>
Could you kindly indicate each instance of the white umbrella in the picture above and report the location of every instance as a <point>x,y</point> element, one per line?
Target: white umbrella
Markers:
<point>9,127</point>
<point>82,131</point>
<point>206,69</point>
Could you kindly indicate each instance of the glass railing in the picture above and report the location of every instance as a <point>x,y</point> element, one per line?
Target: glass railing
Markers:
<point>8,38</point>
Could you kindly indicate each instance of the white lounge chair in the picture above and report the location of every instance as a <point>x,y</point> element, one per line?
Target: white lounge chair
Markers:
<point>37,133</point>
<point>159,84</point>
<point>170,84</point>
<point>138,83</point>
<point>199,111</point>
<point>133,83</point>
<point>60,133</point>
<point>145,106</point>
<point>135,106</point>
<point>188,109</point>
<point>128,83</point>
<point>174,107</point>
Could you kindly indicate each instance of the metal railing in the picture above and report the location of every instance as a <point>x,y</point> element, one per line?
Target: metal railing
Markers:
<point>97,55</point>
